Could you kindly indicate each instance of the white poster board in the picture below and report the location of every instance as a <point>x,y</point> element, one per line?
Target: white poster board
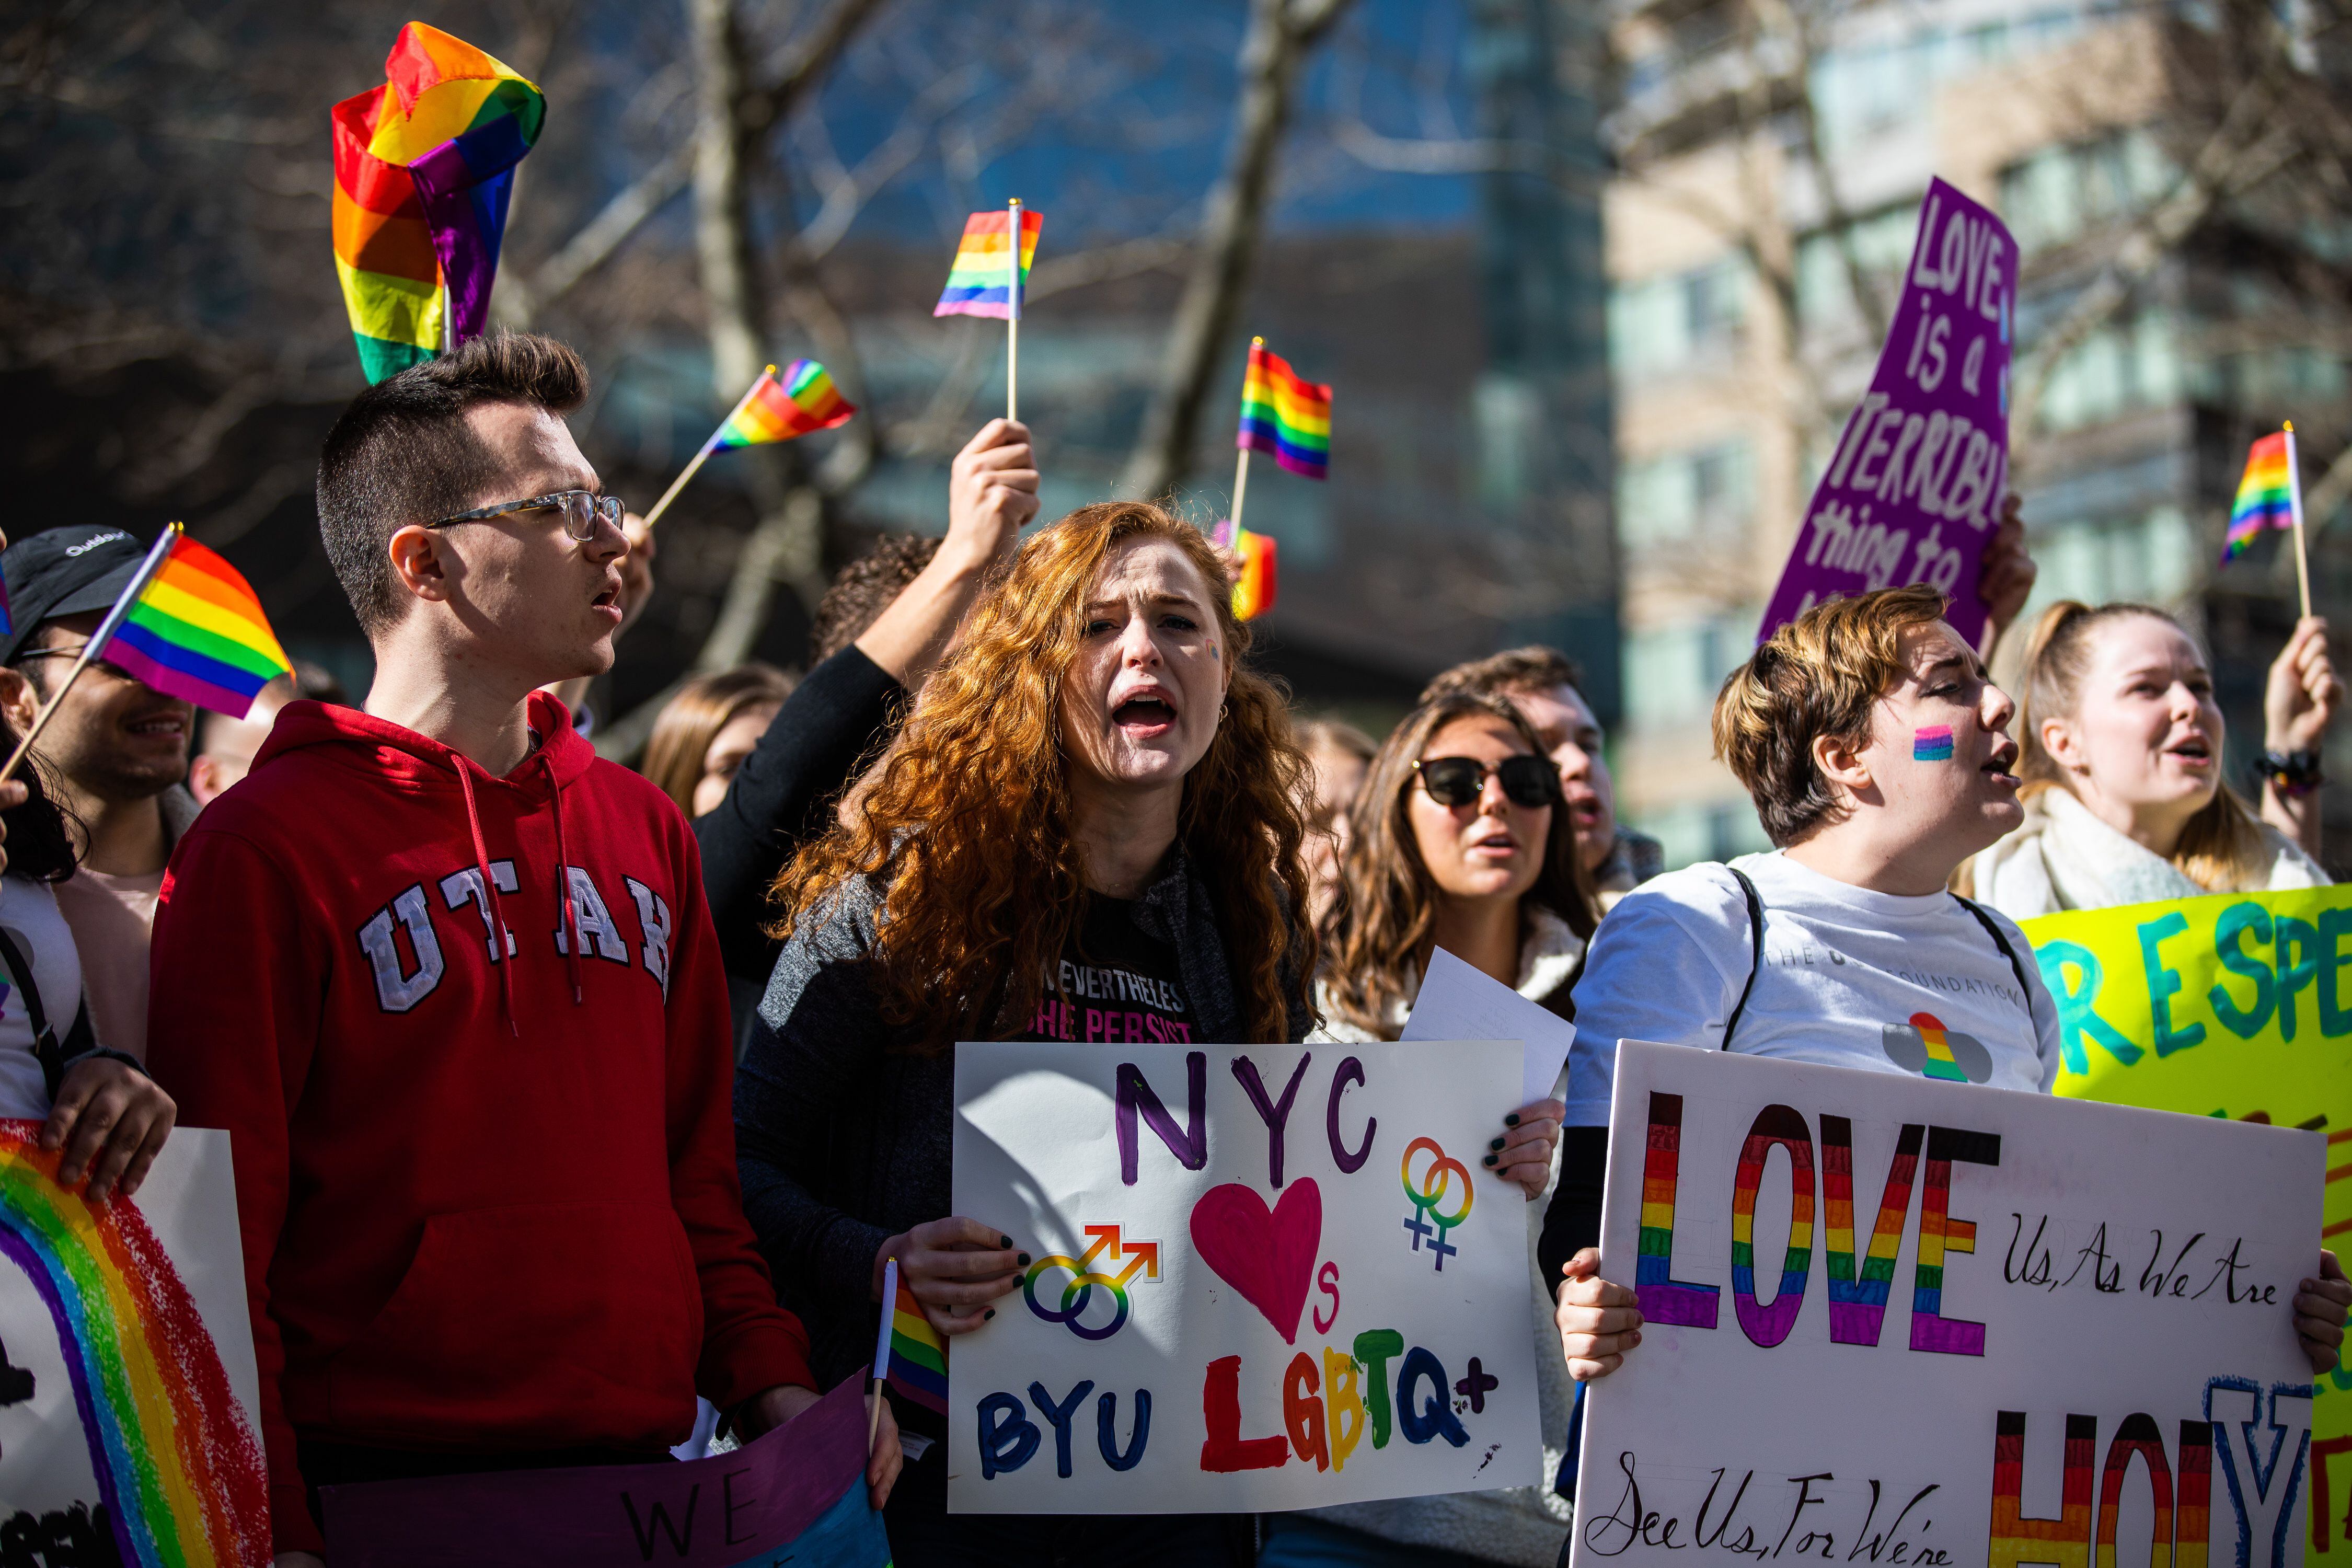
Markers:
<point>1988,1328</point>
<point>1291,1255</point>
<point>129,1403</point>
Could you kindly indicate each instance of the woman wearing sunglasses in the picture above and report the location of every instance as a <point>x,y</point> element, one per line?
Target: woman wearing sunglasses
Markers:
<point>1461,841</point>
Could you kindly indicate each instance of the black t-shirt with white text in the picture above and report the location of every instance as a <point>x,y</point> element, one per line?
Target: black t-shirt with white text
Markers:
<point>1114,982</point>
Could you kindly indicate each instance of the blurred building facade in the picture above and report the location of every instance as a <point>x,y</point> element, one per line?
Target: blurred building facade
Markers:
<point>1771,161</point>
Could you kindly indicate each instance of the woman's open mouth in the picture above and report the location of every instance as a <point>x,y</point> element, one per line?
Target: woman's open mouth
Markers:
<point>1142,718</point>
<point>2193,752</point>
<point>1495,847</point>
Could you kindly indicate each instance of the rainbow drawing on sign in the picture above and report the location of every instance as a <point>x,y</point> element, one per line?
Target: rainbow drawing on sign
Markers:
<point>2065,1541</point>
<point>2192,1521</point>
<point>1932,744</point>
<point>178,1468</point>
<point>1430,1194</point>
<point>1775,1126</point>
<point>1858,1301</point>
<point>2136,1437</point>
<point>1664,1298</point>
<point>1141,1255</point>
<point>1940,1233</point>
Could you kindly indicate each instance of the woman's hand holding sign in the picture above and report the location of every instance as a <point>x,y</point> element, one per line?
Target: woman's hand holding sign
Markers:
<point>1523,1153</point>
<point>954,1268</point>
<point>1597,1321</point>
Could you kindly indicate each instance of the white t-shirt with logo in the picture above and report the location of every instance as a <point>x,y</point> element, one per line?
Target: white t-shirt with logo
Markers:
<point>1850,978</point>
<point>29,911</point>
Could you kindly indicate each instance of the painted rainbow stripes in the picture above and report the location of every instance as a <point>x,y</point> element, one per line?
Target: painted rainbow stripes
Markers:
<point>424,170</point>
<point>2265,495</point>
<point>1932,744</point>
<point>979,282</point>
<point>2137,1438</point>
<point>2181,1522</point>
<point>2065,1541</point>
<point>919,1355</point>
<point>179,1468</point>
<point>1775,1126</point>
<point>197,632</point>
<point>1858,1302</point>
<point>1939,1233</point>
<point>1661,1298</point>
<point>1284,416</point>
<point>2193,1519</point>
<point>779,407</point>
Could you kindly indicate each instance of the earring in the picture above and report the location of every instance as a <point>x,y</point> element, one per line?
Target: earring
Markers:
<point>1222,708</point>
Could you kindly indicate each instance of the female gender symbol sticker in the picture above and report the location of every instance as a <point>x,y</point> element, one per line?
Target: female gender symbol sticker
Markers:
<point>1430,1194</point>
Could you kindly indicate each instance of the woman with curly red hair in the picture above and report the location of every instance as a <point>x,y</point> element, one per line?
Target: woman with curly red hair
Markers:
<point>1088,831</point>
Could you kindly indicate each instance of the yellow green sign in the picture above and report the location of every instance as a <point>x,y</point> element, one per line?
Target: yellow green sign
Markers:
<point>2238,1005</point>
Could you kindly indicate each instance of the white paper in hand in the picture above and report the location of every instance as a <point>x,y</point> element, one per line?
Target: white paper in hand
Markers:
<point>1458,1001</point>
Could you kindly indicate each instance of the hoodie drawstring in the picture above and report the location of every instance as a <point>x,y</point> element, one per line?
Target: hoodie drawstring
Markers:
<point>563,880</point>
<point>499,959</point>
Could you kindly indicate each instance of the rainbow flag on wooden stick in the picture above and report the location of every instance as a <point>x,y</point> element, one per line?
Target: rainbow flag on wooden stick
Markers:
<point>193,630</point>
<point>2265,495</point>
<point>919,1353</point>
<point>1254,590</point>
<point>423,169</point>
<point>779,407</point>
<point>980,282</point>
<point>1284,416</point>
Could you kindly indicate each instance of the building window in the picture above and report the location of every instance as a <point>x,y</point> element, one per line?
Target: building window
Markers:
<point>2123,367</point>
<point>1881,241</point>
<point>1678,494</point>
<point>1682,322</point>
<point>2155,559</point>
<point>2061,194</point>
<point>1672,673</point>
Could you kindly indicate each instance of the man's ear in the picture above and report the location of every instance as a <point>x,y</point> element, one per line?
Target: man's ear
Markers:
<point>1841,762</point>
<point>419,562</point>
<point>19,701</point>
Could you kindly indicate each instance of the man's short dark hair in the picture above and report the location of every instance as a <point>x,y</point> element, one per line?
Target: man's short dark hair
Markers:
<point>865,588</point>
<point>1532,669</point>
<point>403,453</point>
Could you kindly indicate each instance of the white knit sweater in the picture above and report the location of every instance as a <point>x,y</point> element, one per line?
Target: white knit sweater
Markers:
<point>2063,858</point>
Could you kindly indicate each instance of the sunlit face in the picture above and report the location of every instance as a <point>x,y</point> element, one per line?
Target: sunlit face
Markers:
<point>2146,733</point>
<point>1334,774</point>
<point>1572,737</point>
<point>1940,754</point>
<point>1139,702</point>
<point>115,737</point>
<point>536,605</point>
<point>1492,848</point>
<point>725,754</point>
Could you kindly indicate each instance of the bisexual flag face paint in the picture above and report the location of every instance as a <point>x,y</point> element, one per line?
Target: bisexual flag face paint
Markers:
<point>1932,744</point>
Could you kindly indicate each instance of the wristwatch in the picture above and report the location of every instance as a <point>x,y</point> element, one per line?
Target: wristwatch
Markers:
<point>2289,773</point>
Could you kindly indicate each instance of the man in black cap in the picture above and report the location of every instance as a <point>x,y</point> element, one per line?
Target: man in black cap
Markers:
<point>117,748</point>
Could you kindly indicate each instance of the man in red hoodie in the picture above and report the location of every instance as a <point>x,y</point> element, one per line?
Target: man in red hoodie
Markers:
<point>451,982</point>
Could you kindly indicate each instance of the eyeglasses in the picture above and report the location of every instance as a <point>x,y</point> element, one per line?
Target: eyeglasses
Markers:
<point>582,511</point>
<point>102,666</point>
<point>1459,781</point>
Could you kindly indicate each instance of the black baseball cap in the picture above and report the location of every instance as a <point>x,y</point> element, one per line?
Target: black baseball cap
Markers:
<point>64,572</point>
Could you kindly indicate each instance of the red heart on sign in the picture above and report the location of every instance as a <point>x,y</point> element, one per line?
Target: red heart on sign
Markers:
<point>1267,1256</point>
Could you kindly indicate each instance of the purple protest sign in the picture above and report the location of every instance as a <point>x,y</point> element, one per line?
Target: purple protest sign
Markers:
<point>1912,492</point>
<point>801,1486</point>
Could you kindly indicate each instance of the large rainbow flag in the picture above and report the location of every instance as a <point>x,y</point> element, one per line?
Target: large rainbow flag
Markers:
<point>979,283</point>
<point>778,408</point>
<point>423,169</point>
<point>919,1354</point>
<point>1287,417</point>
<point>2266,494</point>
<point>180,1469</point>
<point>191,626</point>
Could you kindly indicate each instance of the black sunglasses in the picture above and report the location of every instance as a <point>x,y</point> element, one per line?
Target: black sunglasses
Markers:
<point>1459,781</point>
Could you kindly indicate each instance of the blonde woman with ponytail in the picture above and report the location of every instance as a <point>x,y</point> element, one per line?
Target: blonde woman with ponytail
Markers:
<point>2122,773</point>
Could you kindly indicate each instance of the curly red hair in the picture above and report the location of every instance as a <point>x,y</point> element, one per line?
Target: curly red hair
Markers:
<point>968,837</point>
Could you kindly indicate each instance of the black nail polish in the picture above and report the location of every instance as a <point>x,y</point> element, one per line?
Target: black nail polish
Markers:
<point>1021,1258</point>
<point>989,1313</point>
<point>1496,1145</point>
<point>1490,1158</point>
<point>1003,1241</point>
<point>1512,1119</point>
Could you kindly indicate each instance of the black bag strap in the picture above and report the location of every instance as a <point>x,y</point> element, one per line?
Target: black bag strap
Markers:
<point>1993,930</point>
<point>46,1050</point>
<point>1755,937</point>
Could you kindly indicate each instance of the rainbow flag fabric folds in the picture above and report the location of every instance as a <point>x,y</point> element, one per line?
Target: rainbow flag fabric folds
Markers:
<point>1286,418</point>
<point>980,282</point>
<point>1254,590</point>
<point>800,400</point>
<point>919,1354</point>
<point>2265,495</point>
<point>423,169</point>
<point>197,632</point>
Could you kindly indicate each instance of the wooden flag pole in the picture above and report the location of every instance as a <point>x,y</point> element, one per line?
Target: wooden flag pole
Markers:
<point>1013,311</point>
<point>95,645</point>
<point>2295,511</point>
<point>1240,460</point>
<point>708,447</point>
<point>881,1370</point>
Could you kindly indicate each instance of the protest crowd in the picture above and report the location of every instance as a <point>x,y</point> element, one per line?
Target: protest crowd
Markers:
<point>581,1116</point>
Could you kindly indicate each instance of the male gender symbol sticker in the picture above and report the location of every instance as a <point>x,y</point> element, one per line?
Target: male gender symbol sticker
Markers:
<point>1431,1195</point>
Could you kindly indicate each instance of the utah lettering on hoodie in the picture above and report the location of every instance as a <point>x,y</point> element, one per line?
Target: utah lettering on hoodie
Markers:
<point>469,1037</point>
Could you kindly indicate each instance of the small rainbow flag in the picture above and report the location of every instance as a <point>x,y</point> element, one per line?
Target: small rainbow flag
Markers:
<point>190,627</point>
<point>2265,495</point>
<point>1286,416</point>
<point>423,169</point>
<point>781,407</point>
<point>919,1355</point>
<point>179,1468</point>
<point>979,283</point>
<point>1255,589</point>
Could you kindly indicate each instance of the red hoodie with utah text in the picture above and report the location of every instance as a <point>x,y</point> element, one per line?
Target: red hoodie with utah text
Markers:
<point>484,1148</point>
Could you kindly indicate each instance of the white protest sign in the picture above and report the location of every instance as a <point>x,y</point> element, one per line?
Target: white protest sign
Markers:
<point>1264,1277</point>
<point>2038,1330</point>
<point>128,1407</point>
<point>1459,1001</point>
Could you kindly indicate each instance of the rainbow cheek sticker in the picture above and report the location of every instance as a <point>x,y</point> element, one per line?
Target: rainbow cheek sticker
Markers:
<point>1932,744</point>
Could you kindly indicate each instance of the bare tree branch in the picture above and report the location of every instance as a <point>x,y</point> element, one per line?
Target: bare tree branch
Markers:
<point>519,299</point>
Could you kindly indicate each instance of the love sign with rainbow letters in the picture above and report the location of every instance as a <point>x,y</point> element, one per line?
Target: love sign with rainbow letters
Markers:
<point>1262,1278</point>
<point>1919,1322</point>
